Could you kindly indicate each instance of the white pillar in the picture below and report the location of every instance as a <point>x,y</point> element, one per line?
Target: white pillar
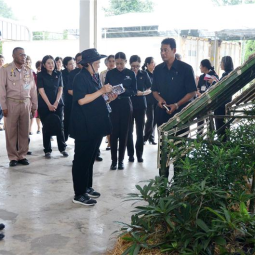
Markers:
<point>88,24</point>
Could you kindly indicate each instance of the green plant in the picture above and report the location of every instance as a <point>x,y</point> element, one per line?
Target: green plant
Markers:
<point>205,208</point>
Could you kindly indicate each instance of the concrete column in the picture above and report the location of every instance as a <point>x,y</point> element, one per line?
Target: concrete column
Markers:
<point>88,24</point>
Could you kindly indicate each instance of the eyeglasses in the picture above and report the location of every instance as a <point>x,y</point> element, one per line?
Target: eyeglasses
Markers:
<point>23,55</point>
<point>135,66</point>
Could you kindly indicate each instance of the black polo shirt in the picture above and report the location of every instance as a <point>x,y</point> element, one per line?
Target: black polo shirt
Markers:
<point>172,85</point>
<point>125,77</point>
<point>175,83</point>
<point>150,99</point>
<point>143,83</point>
<point>50,84</point>
<point>71,78</point>
<point>92,119</point>
<point>66,96</point>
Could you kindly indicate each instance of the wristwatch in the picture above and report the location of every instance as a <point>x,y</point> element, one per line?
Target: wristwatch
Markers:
<point>176,105</point>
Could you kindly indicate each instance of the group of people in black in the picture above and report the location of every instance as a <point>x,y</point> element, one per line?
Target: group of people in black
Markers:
<point>71,102</point>
<point>207,79</point>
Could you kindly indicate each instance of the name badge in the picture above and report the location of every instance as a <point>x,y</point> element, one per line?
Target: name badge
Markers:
<point>203,88</point>
<point>27,86</point>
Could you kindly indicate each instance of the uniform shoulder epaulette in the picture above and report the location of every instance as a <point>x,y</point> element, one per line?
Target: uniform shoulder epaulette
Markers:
<point>7,64</point>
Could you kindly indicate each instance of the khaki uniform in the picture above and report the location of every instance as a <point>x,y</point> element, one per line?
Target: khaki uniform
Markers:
<point>17,95</point>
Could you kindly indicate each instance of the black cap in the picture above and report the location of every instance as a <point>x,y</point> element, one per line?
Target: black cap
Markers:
<point>90,56</point>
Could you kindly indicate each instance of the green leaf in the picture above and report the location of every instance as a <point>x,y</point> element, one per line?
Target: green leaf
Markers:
<point>127,251</point>
<point>227,215</point>
<point>243,209</point>
<point>168,220</point>
<point>220,241</point>
<point>216,213</point>
<point>136,250</point>
<point>202,225</point>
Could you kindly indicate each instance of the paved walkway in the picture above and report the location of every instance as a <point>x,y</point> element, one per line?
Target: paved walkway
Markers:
<point>36,202</point>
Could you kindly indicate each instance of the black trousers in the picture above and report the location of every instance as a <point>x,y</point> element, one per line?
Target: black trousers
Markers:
<point>221,122</point>
<point>67,115</point>
<point>121,118</point>
<point>84,158</point>
<point>176,168</point>
<point>139,118</point>
<point>149,131</point>
<point>44,112</point>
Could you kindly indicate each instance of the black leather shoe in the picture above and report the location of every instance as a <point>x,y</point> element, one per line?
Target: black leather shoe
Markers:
<point>2,226</point>
<point>24,162</point>
<point>131,159</point>
<point>140,160</point>
<point>152,142</point>
<point>13,163</point>
<point>29,153</point>
<point>99,159</point>
<point>120,166</point>
<point>113,165</point>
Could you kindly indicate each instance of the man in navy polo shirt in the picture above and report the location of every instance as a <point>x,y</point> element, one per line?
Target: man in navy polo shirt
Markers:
<point>173,83</point>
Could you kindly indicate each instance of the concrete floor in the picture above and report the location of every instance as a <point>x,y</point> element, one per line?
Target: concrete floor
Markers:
<point>36,202</point>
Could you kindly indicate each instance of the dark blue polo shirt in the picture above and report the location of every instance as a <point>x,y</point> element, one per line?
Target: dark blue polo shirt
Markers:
<point>173,85</point>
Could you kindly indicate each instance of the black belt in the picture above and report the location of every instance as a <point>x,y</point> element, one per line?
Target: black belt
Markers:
<point>121,97</point>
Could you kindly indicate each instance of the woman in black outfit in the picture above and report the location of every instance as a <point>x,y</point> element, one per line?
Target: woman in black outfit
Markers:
<point>149,131</point>
<point>50,86</point>
<point>203,83</point>
<point>227,65</point>
<point>139,108</point>
<point>90,121</point>
<point>121,108</point>
<point>69,65</point>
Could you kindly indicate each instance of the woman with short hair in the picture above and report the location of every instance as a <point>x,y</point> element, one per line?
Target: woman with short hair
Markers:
<point>50,86</point>
<point>90,121</point>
